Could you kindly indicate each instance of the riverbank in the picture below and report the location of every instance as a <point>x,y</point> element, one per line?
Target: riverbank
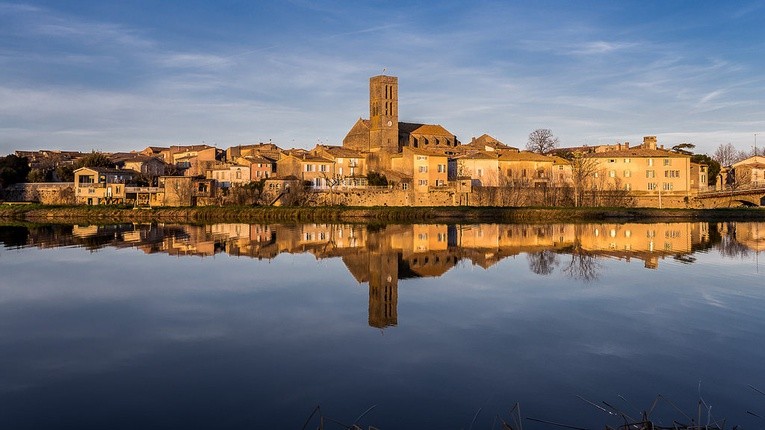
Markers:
<point>113,214</point>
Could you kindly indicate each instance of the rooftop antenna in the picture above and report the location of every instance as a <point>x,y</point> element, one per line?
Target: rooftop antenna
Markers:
<point>384,69</point>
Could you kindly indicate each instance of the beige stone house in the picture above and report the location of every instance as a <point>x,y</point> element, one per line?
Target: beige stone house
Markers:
<point>101,185</point>
<point>228,174</point>
<point>525,169</point>
<point>480,166</point>
<point>699,177</point>
<point>350,165</point>
<point>186,191</point>
<point>748,173</point>
<point>148,166</point>
<point>319,171</point>
<point>261,167</point>
<point>427,168</point>
<point>645,169</point>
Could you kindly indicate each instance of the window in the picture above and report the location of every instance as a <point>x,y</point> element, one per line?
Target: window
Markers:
<point>441,168</point>
<point>650,173</point>
<point>480,173</point>
<point>523,173</point>
<point>238,174</point>
<point>628,160</point>
<point>650,161</point>
<point>667,162</point>
<point>323,168</point>
<point>423,169</point>
<point>423,182</point>
<point>309,167</point>
<point>611,160</point>
<point>627,187</point>
<point>612,173</point>
<point>651,186</point>
<point>627,173</point>
<point>560,167</point>
<point>404,186</point>
<point>671,173</point>
<point>667,186</point>
<point>422,157</point>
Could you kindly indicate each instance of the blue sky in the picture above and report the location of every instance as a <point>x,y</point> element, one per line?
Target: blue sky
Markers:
<point>117,76</point>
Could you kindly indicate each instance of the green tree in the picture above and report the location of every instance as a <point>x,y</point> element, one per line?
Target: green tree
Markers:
<point>40,175</point>
<point>13,169</point>
<point>94,159</point>
<point>65,173</point>
<point>377,179</point>
<point>684,148</point>
<point>714,167</point>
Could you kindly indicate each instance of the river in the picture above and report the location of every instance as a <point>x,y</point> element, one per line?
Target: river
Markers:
<point>420,326</point>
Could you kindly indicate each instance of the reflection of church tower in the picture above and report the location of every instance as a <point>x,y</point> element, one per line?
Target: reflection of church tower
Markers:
<point>383,113</point>
<point>383,289</point>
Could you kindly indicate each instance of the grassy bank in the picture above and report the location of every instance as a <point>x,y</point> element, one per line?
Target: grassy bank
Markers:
<point>112,214</point>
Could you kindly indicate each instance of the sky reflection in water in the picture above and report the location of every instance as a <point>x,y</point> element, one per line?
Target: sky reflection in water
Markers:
<point>238,326</point>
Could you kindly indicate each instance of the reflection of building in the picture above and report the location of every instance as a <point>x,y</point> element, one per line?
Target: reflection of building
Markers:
<point>381,256</point>
<point>647,242</point>
<point>750,234</point>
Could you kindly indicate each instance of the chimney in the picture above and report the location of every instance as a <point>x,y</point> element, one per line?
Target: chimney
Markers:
<point>649,142</point>
<point>626,145</point>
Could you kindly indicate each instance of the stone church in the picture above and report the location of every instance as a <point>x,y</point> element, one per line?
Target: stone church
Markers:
<point>382,135</point>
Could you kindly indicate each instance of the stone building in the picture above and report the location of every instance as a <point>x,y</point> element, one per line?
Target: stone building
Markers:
<point>382,135</point>
<point>647,168</point>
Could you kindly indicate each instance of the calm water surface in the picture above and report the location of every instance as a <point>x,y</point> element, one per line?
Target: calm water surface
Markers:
<point>253,326</point>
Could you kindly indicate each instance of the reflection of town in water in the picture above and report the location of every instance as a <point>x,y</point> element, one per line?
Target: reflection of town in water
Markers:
<point>381,255</point>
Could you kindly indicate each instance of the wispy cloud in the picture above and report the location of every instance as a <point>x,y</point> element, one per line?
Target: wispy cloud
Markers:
<point>485,67</point>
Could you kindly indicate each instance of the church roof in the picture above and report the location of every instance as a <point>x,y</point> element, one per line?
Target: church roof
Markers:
<point>425,151</point>
<point>524,156</point>
<point>638,151</point>
<point>428,129</point>
<point>340,152</point>
<point>477,155</point>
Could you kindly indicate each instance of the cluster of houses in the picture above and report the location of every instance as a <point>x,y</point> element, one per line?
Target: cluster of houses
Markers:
<point>413,158</point>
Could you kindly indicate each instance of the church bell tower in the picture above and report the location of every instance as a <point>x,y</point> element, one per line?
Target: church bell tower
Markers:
<point>383,113</point>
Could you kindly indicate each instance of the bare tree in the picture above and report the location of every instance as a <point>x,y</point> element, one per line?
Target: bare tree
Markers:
<point>541,141</point>
<point>583,266</point>
<point>727,154</point>
<point>543,262</point>
<point>583,169</point>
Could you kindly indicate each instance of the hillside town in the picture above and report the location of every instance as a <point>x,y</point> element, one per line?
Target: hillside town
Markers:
<point>383,161</point>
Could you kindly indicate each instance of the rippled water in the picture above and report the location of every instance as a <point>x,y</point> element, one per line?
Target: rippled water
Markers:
<point>436,326</point>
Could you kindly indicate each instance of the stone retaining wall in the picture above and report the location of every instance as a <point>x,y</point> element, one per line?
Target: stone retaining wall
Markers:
<point>48,193</point>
